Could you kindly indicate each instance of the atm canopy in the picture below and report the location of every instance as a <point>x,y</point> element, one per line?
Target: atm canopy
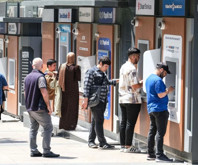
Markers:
<point>81,3</point>
<point>23,20</point>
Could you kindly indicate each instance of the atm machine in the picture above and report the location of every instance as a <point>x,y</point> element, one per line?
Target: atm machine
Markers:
<point>84,48</point>
<point>63,29</point>
<point>62,42</point>
<point>23,43</point>
<point>107,44</point>
<point>29,48</point>
<point>172,56</point>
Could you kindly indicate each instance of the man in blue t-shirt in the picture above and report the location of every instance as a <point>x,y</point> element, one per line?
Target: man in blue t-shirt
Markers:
<point>157,101</point>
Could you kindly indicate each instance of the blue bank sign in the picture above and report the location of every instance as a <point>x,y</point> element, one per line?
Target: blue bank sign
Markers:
<point>107,15</point>
<point>173,7</point>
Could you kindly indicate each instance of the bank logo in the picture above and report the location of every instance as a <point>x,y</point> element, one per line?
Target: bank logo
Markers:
<point>144,6</point>
<point>86,14</point>
<point>106,15</point>
<point>65,15</point>
<point>173,6</point>
<point>104,42</point>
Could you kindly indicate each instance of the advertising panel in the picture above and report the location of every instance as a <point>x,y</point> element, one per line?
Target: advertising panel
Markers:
<point>85,63</point>
<point>173,8</point>
<point>107,15</point>
<point>84,40</point>
<point>104,49</point>
<point>13,28</point>
<point>86,14</point>
<point>145,7</point>
<point>65,15</point>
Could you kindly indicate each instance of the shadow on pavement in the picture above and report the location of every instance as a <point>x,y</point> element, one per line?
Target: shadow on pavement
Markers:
<point>8,140</point>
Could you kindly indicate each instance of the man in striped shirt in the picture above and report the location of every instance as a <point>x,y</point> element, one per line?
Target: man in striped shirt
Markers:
<point>94,78</point>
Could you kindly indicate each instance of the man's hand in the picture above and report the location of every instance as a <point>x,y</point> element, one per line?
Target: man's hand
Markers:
<point>5,88</point>
<point>50,110</point>
<point>137,86</point>
<point>170,89</point>
<point>85,104</point>
<point>50,73</point>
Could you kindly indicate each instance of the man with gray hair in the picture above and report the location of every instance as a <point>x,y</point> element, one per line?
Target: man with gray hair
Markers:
<point>38,107</point>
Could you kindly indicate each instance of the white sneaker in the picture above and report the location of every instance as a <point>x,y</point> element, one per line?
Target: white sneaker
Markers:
<point>132,149</point>
<point>122,149</point>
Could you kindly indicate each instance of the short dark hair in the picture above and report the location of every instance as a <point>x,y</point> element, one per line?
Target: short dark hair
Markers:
<point>132,51</point>
<point>105,60</point>
<point>50,62</point>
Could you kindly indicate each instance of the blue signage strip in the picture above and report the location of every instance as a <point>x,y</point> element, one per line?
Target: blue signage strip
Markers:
<point>3,28</point>
<point>173,8</point>
<point>107,15</point>
<point>104,49</point>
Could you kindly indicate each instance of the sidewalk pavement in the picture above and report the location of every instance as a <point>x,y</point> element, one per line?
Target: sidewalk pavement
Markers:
<point>14,148</point>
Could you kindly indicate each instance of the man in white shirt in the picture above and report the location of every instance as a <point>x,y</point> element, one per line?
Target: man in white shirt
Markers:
<point>130,100</point>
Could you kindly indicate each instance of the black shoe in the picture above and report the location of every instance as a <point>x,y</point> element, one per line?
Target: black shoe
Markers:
<point>92,145</point>
<point>151,157</point>
<point>106,147</point>
<point>36,154</point>
<point>1,109</point>
<point>50,155</point>
<point>163,158</point>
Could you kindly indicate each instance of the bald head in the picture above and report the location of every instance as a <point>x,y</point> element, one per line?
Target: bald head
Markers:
<point>37,63</point>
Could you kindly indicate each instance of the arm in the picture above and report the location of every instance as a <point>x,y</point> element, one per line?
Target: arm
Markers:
<point>5,87</point>
<point>111,82</point>
<point>137,86</point>
<point>77,73</point>
<point>87,86</point>
<point>43,88</point>
<point>169,90</point>
<point>4,83</point>
<point>46,98</point>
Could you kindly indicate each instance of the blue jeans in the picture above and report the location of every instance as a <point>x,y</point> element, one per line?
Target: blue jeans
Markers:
<point>158,124</point>
<point>42,118</point>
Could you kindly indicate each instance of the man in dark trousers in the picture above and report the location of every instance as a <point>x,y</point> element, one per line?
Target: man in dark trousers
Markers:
<point>130,100</point>
<point>95,77</point>
<point>38,107</point>
<point>157,101</point>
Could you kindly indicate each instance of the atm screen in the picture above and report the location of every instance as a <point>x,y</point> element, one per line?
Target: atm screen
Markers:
<point>63,54</point>
<point>171,79</point>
